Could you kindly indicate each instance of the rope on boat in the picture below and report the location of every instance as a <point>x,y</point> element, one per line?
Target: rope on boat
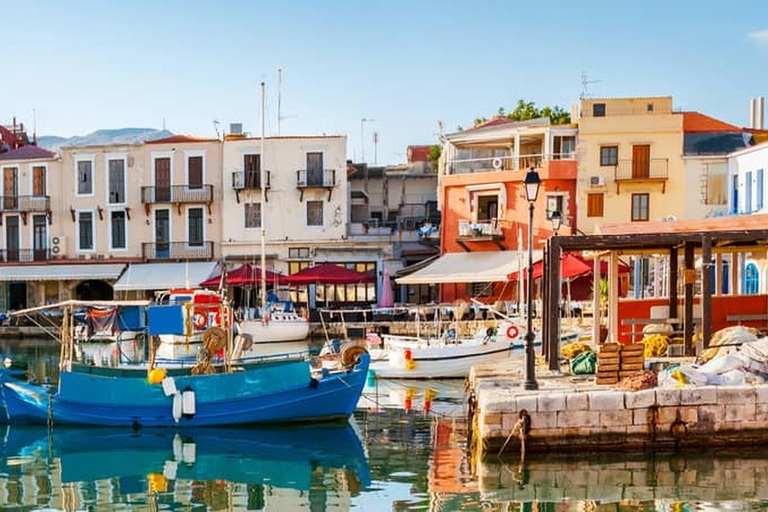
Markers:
<point>522,428</point>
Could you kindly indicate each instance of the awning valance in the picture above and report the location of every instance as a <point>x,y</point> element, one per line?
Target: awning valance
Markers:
<point>469,267</point>
<point>70,272</point>
<point>164,276</point>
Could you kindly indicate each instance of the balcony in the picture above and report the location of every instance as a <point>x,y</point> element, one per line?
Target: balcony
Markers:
<point>480,231</point>
<point>642,171</point>
<point>24,255</point>
<point>250,181</point>
<point>177,251</point>
<point>505,163</point>
<point>24,205</point>
<point>178,195</point>
<point>324,178</point>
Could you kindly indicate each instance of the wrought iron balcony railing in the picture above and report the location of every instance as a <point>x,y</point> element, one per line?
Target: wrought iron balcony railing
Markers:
<point>177,250</point>
<point>177,194</point>
<point>25,203</point>
<point>24,255</point>
<point>249,181</point>
<point>307,179</point>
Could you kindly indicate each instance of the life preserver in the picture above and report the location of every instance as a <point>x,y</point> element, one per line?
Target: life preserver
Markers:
<point>199,321</point>
<point>217,319</point>
<point>512,332</point>
<point>497,163</point>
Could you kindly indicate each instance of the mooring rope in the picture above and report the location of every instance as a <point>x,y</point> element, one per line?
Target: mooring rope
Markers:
<point>521,429</point>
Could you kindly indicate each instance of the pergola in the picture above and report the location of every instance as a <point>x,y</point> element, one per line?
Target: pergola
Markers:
<point>705,237</point>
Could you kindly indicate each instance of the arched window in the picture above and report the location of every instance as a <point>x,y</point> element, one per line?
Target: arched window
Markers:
<point>751,279</point>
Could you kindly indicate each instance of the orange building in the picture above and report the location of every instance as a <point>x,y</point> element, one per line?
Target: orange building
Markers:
<point>484,207</point>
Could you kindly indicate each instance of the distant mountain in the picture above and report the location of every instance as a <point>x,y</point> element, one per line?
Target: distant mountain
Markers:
<point>103,137</point>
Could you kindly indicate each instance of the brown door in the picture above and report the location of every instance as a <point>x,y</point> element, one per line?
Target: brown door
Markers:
<point>195,178</point>
<point>641,162</point>
<point>315,169</point>
<point>252,169</point>
<point>10,189</point>
<point>163,179</point>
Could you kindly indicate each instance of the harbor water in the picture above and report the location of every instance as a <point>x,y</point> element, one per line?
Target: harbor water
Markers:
<point>404,449</point>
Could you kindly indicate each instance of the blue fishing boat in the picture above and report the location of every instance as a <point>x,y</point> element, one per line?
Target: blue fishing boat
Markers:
<point>280,389</point>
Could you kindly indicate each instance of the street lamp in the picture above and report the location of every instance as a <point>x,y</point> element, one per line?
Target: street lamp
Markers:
<point>532,182</point>
<point>556,218</point>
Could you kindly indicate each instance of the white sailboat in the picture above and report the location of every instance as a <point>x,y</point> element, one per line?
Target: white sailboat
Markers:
<point>277,321</point>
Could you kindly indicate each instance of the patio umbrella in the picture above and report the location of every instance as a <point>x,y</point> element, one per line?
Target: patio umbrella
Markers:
<point>387,299</point>
<point>328,273</point>
<point>245,275</point>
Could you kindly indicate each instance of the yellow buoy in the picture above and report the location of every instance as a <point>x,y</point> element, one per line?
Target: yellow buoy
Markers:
<point>156,375</point>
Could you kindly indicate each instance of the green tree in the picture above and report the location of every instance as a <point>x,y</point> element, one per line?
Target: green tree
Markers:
<point>435,151</point>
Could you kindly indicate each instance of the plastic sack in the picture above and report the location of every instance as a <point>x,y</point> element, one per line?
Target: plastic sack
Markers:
<point>584,363</point>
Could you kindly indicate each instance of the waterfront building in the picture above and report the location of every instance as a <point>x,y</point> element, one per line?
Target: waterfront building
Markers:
<point>484,208</point>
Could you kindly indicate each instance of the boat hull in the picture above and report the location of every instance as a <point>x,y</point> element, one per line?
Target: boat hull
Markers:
<point>275,331</point>
<point>272,392</point>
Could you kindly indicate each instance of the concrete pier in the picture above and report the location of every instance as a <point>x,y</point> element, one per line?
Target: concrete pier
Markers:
<point>574,414</point>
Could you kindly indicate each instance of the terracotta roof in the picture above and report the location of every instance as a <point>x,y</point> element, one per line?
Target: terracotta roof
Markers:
<point>27,153</point>
<point>494,121</point>
<point>728,223</point>
<point>696,122</point>
<point>179,139</point>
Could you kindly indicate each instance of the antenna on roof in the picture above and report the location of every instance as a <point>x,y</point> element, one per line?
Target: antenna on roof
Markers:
<point>279,98</point>
<point>585,83</point>
<point>216,127</point>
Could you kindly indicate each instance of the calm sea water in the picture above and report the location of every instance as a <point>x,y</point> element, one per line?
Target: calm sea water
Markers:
<point>404,449</point>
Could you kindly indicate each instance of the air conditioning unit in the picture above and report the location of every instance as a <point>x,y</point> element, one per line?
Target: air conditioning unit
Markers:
<point>596,181</point>
<point>58,246</point>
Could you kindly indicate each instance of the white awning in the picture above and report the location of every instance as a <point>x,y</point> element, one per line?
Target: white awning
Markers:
<point>470,267</point>
<point>71,272</point>
<point>164,276</point>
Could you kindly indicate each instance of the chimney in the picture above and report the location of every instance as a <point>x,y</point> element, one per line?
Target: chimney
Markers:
<point>752,107</point>
<point>760,112</point>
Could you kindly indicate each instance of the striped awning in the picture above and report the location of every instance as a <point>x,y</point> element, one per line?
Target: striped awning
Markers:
<point>69,272</point>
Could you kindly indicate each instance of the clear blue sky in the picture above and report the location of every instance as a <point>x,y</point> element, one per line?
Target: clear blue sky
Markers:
<point>85,65</point>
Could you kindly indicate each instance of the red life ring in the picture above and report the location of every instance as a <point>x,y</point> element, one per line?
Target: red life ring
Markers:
<point>512,332</point>
<point>217,319</point>
<point>199,321</point>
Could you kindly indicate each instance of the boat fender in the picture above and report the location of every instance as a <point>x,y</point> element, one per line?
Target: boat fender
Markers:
<point>156,376</point>
<point>176,407</point>
<point>188,402</point>
<point>188,453</point>
<point>170,468</point>
<point>169,385</point>
<point>177,445</point>
<point>512,332</point>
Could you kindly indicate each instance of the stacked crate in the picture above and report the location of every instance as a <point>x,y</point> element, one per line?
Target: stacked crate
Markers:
<point>608,363</point>
<point>632,359</point>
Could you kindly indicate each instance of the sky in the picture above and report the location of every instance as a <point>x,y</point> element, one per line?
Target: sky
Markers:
<point>397,69</point>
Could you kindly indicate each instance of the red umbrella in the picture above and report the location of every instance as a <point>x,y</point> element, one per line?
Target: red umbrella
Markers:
<point>245,275</point>
<point>571,266</point>
<point>328,273</point>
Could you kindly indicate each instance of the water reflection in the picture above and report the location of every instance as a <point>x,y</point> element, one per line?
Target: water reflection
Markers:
<point>253,469</point>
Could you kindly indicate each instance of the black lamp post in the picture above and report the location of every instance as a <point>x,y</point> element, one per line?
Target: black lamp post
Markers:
<point>556,218</point>
<point>532,182</point>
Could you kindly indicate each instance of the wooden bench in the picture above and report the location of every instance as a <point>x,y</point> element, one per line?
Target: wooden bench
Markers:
<point>760,317</point>
<point>675,322</point>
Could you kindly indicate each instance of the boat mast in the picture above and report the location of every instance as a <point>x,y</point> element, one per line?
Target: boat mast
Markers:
<point>263,212</point>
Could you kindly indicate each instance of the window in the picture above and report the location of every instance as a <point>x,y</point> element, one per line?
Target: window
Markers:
<point>609,155</point>
<point>298,253</point>
<point>85,231</point>
<point>639,207</point>
<point>117,229</point>
<point>314,213</point>
<point>595,204</point>
<point>40,237</point>
<point>487,207</point>
<point>252,215</point>
<point>759,200</point>
<point>748,192</point>
<point>38,181</point>
<point>479,289</point>
<point>556,203</point>
<point>252,168</point>
<point>84,177</point>
<point>751,279</point>
<point>598,110</point>
<point>564,147</point>
<point>195,172</point>
<point>717,180</point>
<point>649,107</point>
<point>735,194</point>
<point>195,226</point>
<point>116,181</point>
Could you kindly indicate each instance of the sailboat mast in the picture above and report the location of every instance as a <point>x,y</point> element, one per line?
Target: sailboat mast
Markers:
<point>263,209</point>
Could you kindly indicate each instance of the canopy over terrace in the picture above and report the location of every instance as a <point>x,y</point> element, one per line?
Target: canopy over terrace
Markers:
<point>734,234</point>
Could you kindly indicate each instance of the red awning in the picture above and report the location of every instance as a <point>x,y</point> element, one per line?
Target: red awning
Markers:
<point>245,275</point>
<point>571,266</point>
<point>328,273</point>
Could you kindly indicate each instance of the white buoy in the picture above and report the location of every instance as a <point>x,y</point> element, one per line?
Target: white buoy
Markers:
<point>169,386</point>
<point>177,407</point>
<point>188,402</point>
